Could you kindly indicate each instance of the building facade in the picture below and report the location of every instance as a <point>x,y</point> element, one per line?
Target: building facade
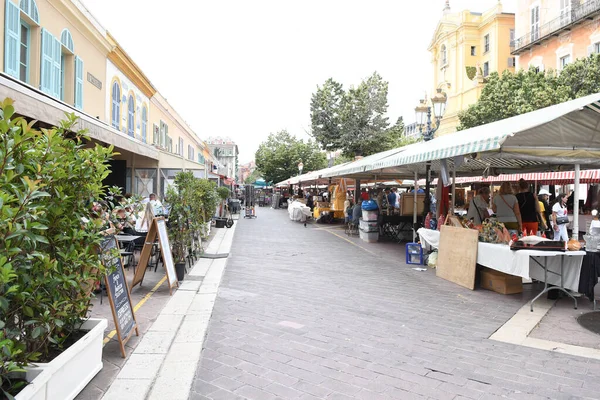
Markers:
<point>467,47</point>
<point>225,151</point>
<point>552,33</point>
<point>57,58</point>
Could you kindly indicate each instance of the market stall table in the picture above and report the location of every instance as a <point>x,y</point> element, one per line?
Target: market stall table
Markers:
<point>392,226</point>
<point>557,268</point>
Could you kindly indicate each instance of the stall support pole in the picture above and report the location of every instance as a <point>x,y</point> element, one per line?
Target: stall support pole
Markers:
<point>356,190</point>
<point>453,190</point>
<point>427,188</point>
<point>576,204</point>
<point>415,209</point>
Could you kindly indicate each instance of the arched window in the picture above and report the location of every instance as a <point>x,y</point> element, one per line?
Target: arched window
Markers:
<point>131,115</point>
<point>144,122</point>
<point>443,56</point>
<point>29,7</point>
<point>116,106</point>
<point>67,40</point>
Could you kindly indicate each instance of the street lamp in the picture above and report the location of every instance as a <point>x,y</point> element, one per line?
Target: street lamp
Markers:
<point>423,116</point>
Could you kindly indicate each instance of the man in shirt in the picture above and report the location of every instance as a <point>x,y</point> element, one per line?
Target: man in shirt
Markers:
<point>156,204</point>
<point>391,198</point>
<point>478,209</point>
<point>364,195</point>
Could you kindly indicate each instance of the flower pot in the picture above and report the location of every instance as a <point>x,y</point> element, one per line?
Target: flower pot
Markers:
<point>180,271</point>
<point>220,222</point>
<point>67,375</point>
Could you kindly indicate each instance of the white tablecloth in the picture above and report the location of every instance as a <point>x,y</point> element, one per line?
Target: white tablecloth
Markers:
<point>520,263</point>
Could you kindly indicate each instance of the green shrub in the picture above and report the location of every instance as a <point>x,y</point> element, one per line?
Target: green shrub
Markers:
<point>48,237</point>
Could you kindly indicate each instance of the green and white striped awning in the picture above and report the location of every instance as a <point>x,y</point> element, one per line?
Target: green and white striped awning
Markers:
<point>566,133</point>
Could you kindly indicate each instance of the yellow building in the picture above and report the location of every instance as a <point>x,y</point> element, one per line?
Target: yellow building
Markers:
<point>57,58</point>
<point>466,47</point>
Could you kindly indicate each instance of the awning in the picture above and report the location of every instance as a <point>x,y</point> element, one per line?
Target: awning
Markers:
<point>542,178</point>
<point>358,166</point>
<point>563,134</point>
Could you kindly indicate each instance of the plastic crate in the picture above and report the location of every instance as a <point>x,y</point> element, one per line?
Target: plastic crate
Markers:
<point>414,253</point>
<point>370,215</point>
<point>370,237</point>
<point>368,226</point>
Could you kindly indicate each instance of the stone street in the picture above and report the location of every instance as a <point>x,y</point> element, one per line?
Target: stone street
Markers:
<point>306,313</point>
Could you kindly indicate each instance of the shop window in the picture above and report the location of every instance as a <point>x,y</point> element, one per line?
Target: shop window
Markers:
<point>116,106</point>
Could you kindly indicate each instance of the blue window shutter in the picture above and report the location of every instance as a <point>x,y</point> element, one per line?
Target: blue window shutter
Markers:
<point>78,83</point>
<point>56,62</point>
<point>47,67</point>
<point>12,39</point>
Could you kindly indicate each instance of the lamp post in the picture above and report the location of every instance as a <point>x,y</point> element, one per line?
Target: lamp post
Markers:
<point>423,114</point>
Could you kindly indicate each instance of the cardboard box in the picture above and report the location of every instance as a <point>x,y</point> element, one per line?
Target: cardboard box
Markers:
<point>500,282</point>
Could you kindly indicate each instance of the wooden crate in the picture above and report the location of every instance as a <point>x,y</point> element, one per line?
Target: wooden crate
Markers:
<point>407,202</point>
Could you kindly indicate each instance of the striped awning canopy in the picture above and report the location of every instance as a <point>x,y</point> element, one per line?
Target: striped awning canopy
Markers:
<point>563,134</point>
<point>542,178</point>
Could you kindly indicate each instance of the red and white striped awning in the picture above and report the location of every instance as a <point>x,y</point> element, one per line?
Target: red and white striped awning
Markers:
<point>542,178</point>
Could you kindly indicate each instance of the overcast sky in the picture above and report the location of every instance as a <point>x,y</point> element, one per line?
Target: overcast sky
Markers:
<point>245,69</point>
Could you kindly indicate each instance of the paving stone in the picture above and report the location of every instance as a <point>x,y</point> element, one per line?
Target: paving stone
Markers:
<point>305,310</point>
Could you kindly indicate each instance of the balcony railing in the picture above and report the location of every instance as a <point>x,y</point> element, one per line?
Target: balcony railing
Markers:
<point>587,10</point>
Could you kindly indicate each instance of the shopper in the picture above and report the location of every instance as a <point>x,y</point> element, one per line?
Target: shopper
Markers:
<point>545,212</point>
<point>478,209</point>
<point>529,207</point>
<point>391,198</point>
<point>560,218</point>
<point>506,208</point>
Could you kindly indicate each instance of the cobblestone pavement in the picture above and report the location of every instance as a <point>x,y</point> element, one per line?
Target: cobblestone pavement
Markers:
<point>304,314</point>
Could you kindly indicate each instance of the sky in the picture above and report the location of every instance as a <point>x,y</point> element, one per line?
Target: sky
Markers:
<point>245,69</point>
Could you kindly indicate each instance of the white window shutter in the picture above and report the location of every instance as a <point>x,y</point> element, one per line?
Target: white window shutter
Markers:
<point>542,68</point>
<point>510,62</point>
<point>590,50</point>
<point>12,40</point>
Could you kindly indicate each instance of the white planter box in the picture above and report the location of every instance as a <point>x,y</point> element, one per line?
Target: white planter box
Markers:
<point>65,376</point>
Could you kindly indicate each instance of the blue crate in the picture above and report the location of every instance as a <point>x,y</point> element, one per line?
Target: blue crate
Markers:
<point>414,253</point>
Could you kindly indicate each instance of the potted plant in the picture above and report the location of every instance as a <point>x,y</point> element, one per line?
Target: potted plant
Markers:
<point>223,194</point>
<point>49,234</point>
<point>180,199</point>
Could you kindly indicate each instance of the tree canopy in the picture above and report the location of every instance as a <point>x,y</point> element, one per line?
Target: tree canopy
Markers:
<point>517,93</point>
<point>277,158</point>
<point>353,120</point>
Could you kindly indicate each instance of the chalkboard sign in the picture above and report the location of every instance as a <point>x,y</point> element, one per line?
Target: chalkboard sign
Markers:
<point>158,229</point>
<point>118,292</point>
<point>166,251</point>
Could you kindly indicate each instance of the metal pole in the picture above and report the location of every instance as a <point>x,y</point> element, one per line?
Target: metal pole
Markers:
<point>453,190</point>
<point>415,209</point>
<point>576,204</point>
<point>356,191</point>
<point>427,188</point>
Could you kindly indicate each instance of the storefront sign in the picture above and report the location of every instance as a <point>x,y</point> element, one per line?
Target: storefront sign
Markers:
<point>94,81</point>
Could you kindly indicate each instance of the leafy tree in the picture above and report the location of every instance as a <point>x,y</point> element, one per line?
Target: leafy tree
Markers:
<point>517,93</point>
<point>353,121</point>
<point>277,158</point>
<point>325,114</point>
<point>253,177</point>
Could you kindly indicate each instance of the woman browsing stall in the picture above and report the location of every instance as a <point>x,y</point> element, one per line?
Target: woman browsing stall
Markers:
<point>478,209</point>
<point>506,207</point>
<point>560,218</point>
<point>529,207</point>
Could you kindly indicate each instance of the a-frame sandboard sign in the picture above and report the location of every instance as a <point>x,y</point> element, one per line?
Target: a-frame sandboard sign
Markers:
<point>158,228</point>
<point>118,292</point>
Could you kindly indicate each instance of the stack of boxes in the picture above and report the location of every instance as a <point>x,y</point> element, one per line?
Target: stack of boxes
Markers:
<point>368,226</point>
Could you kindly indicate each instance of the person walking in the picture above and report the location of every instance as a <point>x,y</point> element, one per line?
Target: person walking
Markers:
<point>506,208</point>
<point>529,207</point>
<point>545,212</point>
<point>560,218</point>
